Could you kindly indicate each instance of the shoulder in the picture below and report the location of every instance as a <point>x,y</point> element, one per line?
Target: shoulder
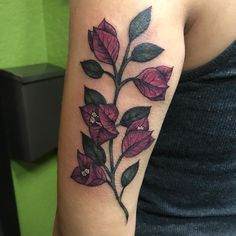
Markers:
<point>182,13</point>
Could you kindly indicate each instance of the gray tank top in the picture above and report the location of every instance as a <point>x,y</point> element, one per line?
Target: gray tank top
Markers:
<point>189,187</point>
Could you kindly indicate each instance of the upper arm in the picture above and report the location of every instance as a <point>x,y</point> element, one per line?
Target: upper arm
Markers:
<point>108,126</point>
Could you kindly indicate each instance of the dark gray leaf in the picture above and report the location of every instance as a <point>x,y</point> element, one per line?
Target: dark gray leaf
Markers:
<point>145,52</point>
<point>92,96</point>
<point>139,24</point>
<point>129,174</point>
<point>93,150</point>
<point>92,69</point>
<point>133,114</point>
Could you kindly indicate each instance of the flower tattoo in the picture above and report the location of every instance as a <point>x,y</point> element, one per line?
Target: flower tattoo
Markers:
<point>88,173</point>
<point>95,167</point>
<point>101,121</point>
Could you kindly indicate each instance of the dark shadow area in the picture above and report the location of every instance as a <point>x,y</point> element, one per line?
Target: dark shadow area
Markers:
<point>9,225</point>
<point>32,166</point>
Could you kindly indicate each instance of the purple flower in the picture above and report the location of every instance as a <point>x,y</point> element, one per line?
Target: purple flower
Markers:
<point>101,121</point>
<point>135,142</point>
<point>104,43</point>
<point>88,173</point>
<point>152,82</point>
<point>141,124</point>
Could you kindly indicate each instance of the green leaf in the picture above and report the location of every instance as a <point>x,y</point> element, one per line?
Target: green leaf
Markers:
<point>92,96</point>
<point>133,114</point>
<point>139,24</point>
<point>92,69</point>
<point>129,174</point>
<point>93,150</point>
<point>145,52</point>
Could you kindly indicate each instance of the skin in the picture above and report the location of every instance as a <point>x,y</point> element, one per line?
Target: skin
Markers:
<point>211,31</point>
<point>180,27</point>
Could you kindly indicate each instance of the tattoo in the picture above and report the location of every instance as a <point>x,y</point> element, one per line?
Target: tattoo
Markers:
<point>94,168</point>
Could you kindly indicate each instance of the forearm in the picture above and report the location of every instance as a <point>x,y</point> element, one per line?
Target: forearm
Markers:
<point>113,109</point>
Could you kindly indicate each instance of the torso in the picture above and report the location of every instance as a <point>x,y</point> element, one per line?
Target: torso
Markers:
<point>213,29</point>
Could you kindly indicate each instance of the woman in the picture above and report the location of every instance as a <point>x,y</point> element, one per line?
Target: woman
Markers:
<point>128,61</point>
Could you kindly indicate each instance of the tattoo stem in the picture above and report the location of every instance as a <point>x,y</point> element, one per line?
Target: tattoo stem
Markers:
<point>118,88</point>
<point>122,191</point>
<point>111,155</point>
<point>118,84</point>
<point>113,187</point>
<point>111,141</point>
<point>115,75</point>
<point>118,162</point>
<point>114,69</point>
<point>116,95</point>
<point>124,63</point>
<point>126,81</point>
<point>107,171</point>
<point>123,207</point>
<point>109,74</point>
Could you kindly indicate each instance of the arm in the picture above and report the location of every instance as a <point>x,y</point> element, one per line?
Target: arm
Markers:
<point>121,77</point>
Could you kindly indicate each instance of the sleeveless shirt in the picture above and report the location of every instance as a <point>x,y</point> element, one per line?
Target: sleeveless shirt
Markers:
<point>189,188</point>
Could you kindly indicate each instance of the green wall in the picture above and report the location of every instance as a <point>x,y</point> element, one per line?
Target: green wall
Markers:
<point>56,18</point>
<point>34,31</point>
<point>22,39</point>
<point>35,187</point>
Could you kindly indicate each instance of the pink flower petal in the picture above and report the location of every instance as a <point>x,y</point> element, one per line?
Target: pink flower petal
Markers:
<point>153,77</point>
<point>108,115</point>
<point>83,160</point>
<point>105,26</point>
<point>100,135</point>
<point>135,142</point>
<point>77,176</point>
<point>101,120</point>
<point>165,71</point>
<point>151,92</point>
<point>110,111</point>
<point>152,82</point>
<point>106,46</point>
<point>141,124</point>
<point>87,111</point>
<point>88,173</point>
<point>97,176</point>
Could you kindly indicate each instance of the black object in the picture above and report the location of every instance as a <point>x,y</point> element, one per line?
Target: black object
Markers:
<point>9,225</point>
<point>30,105</point>
<point>8,212</point>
